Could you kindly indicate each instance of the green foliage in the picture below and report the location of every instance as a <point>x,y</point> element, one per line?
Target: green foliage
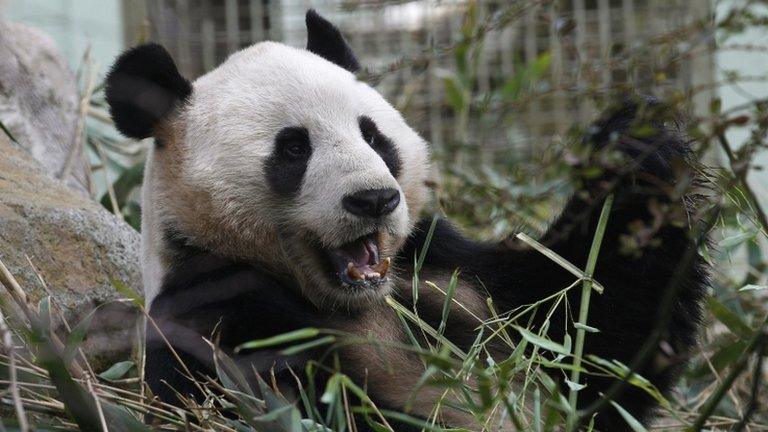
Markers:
<point>117,370</point>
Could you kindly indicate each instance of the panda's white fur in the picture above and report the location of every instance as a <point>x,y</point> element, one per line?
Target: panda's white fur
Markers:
<point>217,166</point>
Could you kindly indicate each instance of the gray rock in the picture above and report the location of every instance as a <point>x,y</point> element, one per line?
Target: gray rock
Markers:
<point>75,246</point>
<point>39,100</point>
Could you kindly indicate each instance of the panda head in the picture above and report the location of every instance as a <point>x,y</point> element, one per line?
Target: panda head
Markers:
<point>279,156</point>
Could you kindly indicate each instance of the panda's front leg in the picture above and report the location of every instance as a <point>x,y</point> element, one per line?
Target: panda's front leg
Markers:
<point>648,246</point>
<point>654,279</point>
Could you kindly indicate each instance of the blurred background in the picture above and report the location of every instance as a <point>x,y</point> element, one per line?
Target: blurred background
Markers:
<point>574,44</point>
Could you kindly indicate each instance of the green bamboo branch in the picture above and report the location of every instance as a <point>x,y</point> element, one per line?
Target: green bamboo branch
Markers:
<point>586,290</point>
<point>664,313</point>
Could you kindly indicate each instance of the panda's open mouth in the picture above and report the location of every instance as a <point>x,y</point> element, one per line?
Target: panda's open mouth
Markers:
<point>358,263</point>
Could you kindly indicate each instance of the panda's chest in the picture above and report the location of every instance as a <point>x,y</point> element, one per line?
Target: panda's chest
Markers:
<point>376,359</point>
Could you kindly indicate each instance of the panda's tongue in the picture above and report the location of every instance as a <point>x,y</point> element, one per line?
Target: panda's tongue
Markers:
<point>359,260</point>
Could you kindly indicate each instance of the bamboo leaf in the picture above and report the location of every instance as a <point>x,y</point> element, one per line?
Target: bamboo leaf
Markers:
<point>449,294</point>
<point>729,318</point>
<point>295,349</point>
<point>574,386</point>
<point>128,293</point>
<point>631,421</point>
<point>281,339</point>
<point>117,370</point>
<point>752,287</point>
<point>542,342</point>
<point>128,180</point>
<point>562,262</point>
<point>44,310</point>
<point>332,388</point>
<point>455,93</point>
<point>76,336</point>
<point>731,242</point>
<point>586,328</point>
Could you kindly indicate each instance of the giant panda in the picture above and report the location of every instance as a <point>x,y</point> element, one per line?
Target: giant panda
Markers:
<point>282,193</point>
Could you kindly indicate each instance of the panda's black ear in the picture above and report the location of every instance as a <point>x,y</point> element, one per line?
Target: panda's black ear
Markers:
<point>144,87</point>
<point>325,40</point>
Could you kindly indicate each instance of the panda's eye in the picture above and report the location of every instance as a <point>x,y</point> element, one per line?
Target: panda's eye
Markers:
<point>368,130</point>
<point>369,137</point>
<point>293,143</point>
<point>296,150</point>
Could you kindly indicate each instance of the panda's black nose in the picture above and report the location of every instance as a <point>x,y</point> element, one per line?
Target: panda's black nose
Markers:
<point>373,203</point>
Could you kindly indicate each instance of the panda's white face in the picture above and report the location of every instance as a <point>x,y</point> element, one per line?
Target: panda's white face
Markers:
<point>311,170</point>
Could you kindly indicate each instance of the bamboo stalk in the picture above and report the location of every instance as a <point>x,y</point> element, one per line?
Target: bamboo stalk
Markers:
<point>597,240</point>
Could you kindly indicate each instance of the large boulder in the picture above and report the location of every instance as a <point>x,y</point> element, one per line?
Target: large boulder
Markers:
<point>75,246</point>
<point>39,100</point>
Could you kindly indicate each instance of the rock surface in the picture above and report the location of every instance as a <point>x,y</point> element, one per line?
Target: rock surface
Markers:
<point>77,248</point>
<point>39,100</point>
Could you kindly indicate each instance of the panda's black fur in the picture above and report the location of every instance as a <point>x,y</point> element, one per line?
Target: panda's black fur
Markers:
<point>204,295</point>
<point>138,96</point>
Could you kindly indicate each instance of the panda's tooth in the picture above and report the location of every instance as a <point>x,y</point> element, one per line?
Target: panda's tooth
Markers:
<point>382,267</point>
<point>353,272</point>
<point>372,275</point>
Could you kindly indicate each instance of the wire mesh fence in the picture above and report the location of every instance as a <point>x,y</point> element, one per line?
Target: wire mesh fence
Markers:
<point>584,48</point>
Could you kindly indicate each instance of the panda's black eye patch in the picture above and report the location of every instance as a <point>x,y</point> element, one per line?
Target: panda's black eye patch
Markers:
<point>286,166</point>
<point>293,143</point>
<point>380,143</point>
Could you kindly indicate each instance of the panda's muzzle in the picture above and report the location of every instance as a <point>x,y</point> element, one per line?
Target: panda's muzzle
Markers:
<point>357,263</point>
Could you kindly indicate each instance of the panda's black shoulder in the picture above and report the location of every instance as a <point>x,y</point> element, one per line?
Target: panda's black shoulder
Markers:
<point>208,292</point>
<point>445,245</point>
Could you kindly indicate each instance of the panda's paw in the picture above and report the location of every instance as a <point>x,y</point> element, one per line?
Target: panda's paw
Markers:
<point>637,147</point>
